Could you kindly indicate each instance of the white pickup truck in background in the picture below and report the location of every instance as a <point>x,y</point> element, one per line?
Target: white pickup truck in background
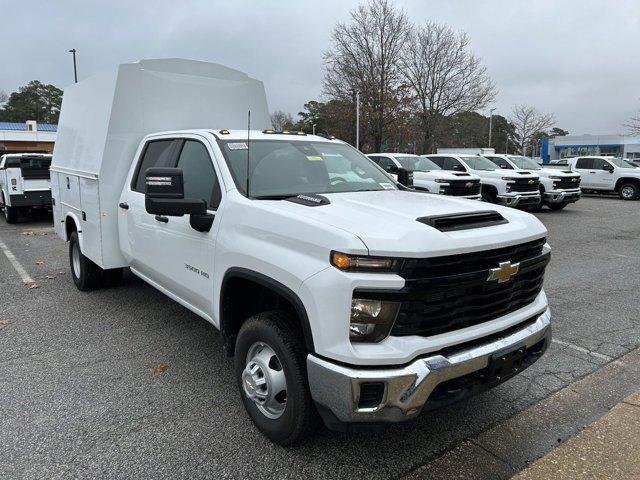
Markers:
<point>607,174</point>
<point>24,183</point>
<point>513,189</point>
<point>558,188</point>
<point>341,295</point>
<point>428,176</point>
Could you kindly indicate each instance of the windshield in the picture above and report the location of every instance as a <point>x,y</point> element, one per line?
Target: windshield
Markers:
<point>418,164</point>
<point>524,162</point>
<point>478,163</point>
<point>286,168</point>
<point>618,162</point>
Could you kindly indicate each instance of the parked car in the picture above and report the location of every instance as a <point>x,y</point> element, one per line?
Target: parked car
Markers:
<point>428,176</point>
<point>355,299</point>
<point>558,188</point>
<point>607,174</point>
<point>24,184</point>
<point>513,189</point>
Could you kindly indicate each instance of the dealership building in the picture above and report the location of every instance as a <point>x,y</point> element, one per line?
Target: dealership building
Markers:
<point>624,146</point>
<point>30,136</point>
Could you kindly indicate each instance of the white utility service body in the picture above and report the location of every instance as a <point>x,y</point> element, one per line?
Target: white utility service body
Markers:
<point>427,176</point>
<point>24,183</point>
<point>517,189</point>
<point>558,188</point>
<point>607,174</point>
<point>322,249</point>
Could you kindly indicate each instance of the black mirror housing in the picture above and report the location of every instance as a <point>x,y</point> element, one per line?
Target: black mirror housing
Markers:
<point>405,177</point>
<point>164,194</point>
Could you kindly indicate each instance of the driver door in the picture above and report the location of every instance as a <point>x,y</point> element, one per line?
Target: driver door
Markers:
<point>600,177</point>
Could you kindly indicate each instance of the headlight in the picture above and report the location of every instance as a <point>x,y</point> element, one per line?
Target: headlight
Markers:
<point>440,180</point>
<point>371,320</point>
<point>364,263</point>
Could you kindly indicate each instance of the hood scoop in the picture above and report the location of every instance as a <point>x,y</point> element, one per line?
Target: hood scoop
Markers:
<point>523,173</point>
<point>309,200</point>
<point>461,174</point>
<point>463,221</point>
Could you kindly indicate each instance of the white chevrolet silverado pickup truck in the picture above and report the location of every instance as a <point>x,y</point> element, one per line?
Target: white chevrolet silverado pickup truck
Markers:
<point>513,189</point>
<point>24,183</point>
<point>342,296</point>
<point>607,174</point>
<point>429,177</point>
<point>558,188</point>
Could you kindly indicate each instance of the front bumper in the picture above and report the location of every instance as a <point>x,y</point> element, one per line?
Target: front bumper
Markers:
<point>425,383</point>
<point>560,196</point>
<point>519,200</point>
<point>32,198</point>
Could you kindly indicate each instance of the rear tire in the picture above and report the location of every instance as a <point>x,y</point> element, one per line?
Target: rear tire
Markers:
<point>11,214</point>
<point>85,273</point>
<point>629,191</point>
<point>269,356</point>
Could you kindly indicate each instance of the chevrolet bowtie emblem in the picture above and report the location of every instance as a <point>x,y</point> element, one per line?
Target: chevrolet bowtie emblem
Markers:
<point>468,184</point>
<point>531,182</point>
<point>574,179</point>
<point>504,272</point>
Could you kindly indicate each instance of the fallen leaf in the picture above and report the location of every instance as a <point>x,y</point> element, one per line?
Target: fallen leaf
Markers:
<point>39,262</point>
<point>27,233</point>
<point>61,273</point>
<point>159,368</point>
<point>49,277</point>
<point>31,286</point>
<point>4,322</point>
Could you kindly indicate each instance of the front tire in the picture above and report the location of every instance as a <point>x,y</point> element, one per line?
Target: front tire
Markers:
<point>488,196</point>
<point>629,191</point>
<point>270,369</point>
<point>85,273</point>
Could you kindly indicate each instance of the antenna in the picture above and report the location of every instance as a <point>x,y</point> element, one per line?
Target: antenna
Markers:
<point>248,147</point>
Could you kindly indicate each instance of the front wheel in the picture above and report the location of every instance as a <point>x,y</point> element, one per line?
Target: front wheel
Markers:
<point>488,196</point>
<point>85,273</point>
<point>629,191</point>
<point>270,369</point>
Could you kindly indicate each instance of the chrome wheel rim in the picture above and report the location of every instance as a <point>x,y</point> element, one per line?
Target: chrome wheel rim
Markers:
<point>264,382</point>
<point>75,260</point>
<point>628,192</point>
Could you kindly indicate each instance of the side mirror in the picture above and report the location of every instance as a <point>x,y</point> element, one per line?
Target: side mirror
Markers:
<point>607,167</point>
<point>405,177</point>
<point>164,194</point>
<point>392,169</point>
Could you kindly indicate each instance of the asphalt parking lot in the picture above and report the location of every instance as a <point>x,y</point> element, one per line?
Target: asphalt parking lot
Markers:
<point>79,397</point>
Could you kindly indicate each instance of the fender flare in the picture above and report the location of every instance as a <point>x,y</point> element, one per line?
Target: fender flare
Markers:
<point>76,220</point>
<point>276,286</point>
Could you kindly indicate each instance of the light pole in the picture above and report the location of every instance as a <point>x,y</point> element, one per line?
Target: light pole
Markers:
<point>314,128</point>
<point>75,70</point>
<point>490,121</point>
<point>358,120</point>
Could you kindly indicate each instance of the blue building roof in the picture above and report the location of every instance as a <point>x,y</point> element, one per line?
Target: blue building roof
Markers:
<point>42,127</point>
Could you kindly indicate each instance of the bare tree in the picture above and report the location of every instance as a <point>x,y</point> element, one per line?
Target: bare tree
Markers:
<point>633,124</point>
<point>445,76</point>
<point>3,97</point>
<point>364,57</point>
<point>528,122</point>
<point>281,120</point>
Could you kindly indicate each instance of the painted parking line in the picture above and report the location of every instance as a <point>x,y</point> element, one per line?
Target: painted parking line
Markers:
<point>578,348</point>
<point>26,278</point>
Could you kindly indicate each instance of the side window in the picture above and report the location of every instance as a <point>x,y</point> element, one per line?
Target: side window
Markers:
<point>387,164</point>
<point>499,162</point>
<point>453,164</point>
<point>598,163</point>
<point>439,161</point>
<point>157,153</point>
<point>200,179</point>
<point>585,163</point>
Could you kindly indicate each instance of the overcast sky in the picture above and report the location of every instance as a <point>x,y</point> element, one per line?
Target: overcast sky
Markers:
<point>579,60</point>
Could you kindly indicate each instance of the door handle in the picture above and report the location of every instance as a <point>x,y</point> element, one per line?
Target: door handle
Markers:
<point>162,219</point>
<point>124,205</point>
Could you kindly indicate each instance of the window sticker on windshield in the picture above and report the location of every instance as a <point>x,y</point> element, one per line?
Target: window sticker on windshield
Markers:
<point>237,146</point>
<point>314,158</point>
<point>386,186</point>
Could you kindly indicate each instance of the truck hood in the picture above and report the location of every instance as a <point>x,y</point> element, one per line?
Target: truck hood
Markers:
<point>445,174</point>
<point>386,222</point>
<point>545,172</point>
<point>506,173</point>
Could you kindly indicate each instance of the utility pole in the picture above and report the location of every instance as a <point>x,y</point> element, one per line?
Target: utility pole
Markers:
<point>358,120</point>
<point>75,70</point>
<point>314,128</point>
<point>490,121</point>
